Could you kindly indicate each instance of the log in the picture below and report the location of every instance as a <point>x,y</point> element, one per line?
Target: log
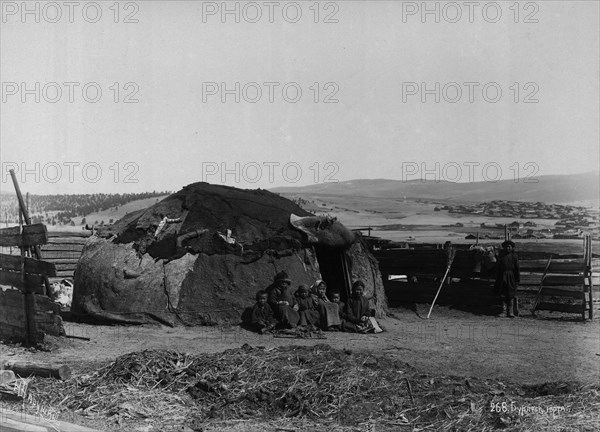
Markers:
<point>37,421</point>
<point>47,370</point>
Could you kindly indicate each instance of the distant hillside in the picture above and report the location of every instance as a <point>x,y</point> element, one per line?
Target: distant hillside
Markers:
<point>69,209</point>
<point>549,189</point>
<point>115,213</point>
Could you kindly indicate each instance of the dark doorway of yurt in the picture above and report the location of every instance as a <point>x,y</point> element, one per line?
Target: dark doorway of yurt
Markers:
<point>335,270</point>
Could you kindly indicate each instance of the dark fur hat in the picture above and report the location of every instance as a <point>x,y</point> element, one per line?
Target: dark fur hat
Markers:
<point>282,276</point>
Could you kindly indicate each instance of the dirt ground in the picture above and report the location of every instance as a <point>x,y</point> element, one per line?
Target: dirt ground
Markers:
<point>523,350</point>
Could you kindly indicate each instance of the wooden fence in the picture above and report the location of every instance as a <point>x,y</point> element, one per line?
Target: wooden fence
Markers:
<point>570,285</point>
<point>26,311</point>
<point>64,250</point>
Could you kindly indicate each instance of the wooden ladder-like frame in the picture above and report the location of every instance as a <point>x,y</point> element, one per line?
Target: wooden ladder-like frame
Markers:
<point>559,277</point>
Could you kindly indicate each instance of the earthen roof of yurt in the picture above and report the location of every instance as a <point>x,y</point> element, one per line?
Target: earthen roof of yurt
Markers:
<point>199,216</point>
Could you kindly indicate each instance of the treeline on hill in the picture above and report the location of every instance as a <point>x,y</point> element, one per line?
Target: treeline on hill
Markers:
<point>67,206</point>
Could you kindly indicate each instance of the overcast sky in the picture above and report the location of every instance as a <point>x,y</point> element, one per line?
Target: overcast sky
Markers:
<point>373,65</point>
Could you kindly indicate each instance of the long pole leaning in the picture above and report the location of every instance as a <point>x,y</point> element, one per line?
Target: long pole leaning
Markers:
<point>36,249</point>
<point>451,252</point>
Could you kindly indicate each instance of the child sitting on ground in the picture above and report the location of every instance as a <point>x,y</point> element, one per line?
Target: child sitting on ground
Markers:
<point>309,314</point>
<point>329,311</point>
<point>357,315</point>
<point>262,319</point>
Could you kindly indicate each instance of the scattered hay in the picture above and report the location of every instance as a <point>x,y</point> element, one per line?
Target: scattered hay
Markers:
<point>317,384</point>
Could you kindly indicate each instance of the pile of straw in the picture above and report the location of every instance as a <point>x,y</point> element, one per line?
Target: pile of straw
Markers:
<point>315,383</point>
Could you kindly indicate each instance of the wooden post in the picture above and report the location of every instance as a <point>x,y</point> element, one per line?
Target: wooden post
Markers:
<point>23,209</point>
<point>587,254</point>
<point>26,311</point>
<point>505,232</point>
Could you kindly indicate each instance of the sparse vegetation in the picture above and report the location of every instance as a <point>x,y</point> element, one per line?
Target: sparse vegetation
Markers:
<point>60,209</point>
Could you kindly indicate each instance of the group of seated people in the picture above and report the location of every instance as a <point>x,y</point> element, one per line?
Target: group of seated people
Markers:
<point>280,308</point>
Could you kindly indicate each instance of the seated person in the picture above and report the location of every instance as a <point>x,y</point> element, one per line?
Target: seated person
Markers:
<point>357,314</point>
<point>329,312</point>
<point>262,319</point>
<point>309,315</point>
<point>283,302</point>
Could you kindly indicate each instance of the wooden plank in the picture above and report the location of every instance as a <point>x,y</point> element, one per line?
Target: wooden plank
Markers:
<point>10,425</point>
<point>32,235</point>
<point>50,255</point>
<point>65,274</point>
<point>562,280</point>
<point>63,261</point>
<point>569,266</point>
<point>10,236</point>
<point>60,234</point>
<point>562,266</point>
<point>557,292</point>
<point>62,247</point>
<point>530,279</point>
<point>33,266</point>
<point>68,240</point>
<point>558,307</point>
<point>34,282</point>
<point>66,267</point>
<point>55,425</point>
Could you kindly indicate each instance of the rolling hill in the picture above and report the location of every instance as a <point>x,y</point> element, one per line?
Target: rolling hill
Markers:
<point>574,188</point>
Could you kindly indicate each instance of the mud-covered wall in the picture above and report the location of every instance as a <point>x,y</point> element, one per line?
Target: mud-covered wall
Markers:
<point>112,282</point>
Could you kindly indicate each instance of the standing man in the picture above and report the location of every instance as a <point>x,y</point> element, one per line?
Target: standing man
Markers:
<point>508,277</point>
